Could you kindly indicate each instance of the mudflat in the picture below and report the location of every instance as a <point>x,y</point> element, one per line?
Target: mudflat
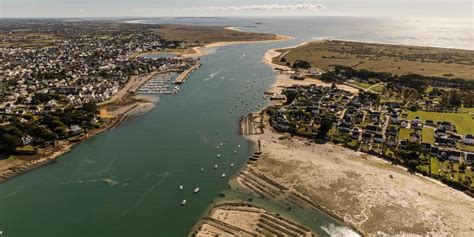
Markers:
<point>368,192</point>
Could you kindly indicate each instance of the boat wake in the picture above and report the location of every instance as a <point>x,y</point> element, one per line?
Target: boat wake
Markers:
<point>110,182</point>
<point>8,196</point>
<point>143,195</point>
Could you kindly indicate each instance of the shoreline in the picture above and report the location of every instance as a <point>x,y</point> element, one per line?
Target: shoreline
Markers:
<point>279,82</point>
<point>284,72</point>
<point>140,105</point>
<point>302,156</point>
<point>126,92</point>
<point>201,50</point>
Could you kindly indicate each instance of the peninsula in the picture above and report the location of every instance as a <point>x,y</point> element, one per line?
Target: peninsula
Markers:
<point>354,131</point>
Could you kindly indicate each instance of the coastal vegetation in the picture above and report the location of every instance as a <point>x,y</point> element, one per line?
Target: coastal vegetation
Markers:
<point>394,59</point>
<point>208,34</point>
<point>416,120</point>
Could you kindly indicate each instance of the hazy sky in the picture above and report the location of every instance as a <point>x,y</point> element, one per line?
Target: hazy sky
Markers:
<point>167,8</point>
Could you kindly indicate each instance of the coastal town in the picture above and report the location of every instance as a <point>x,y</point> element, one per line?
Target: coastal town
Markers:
<point>354,135</point>
<point>62,81</point>
<point>428,131</point>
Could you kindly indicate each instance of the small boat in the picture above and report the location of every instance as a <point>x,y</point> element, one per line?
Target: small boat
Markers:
<point>217,147</point>
<point>221,144</point>
<point>202,169</point>
<point>232,165</point>
<point>215,166</point>
<point>223,175</point>
<point>235,152</point>
<point>218,155</point>
<point>181,187</point>
<point>238,146</point>
<point>196,190</point>
<point>183,202</point>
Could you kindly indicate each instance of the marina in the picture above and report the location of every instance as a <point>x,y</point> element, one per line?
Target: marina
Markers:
<point>127,180</point>
<point>160,84</point>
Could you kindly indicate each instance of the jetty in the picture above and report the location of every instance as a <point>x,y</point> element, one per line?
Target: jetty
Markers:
<point>182,77</point>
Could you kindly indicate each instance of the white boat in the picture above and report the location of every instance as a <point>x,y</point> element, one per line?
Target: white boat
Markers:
<point>218,155</point>
<point>181,187</point>
<point>221,144</point>
<point>223,175</point>
<point>232,165</point>
<point>215,166</point>
<point>202,169</point>
<point>235,152</point>
<point>196,190</point>
<point>183,202</point>
<point>217,147</point>
<point>238,146</point>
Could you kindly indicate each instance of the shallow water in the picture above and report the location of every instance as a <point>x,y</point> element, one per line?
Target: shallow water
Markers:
<point>125,182</point>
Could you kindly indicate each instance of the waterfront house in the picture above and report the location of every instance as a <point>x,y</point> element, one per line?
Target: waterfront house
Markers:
<point>75,130</point>
<point>367,137</point>
<point>344,127</point>
<point>392,131</point>
<point>469,160</point>
<point>426,147</point>
<point>392,141</point>
<point>446,126</point>
<point>379,138</point>
<point>430,123</point>
<point>435,151</point>
<point>468,139</point>
<point>454,155</point>
<point>355,132</point>
<point>440,141</point>
<point>440,133</point>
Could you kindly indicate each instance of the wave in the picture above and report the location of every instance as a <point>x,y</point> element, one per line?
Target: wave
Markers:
<point>339,231</point>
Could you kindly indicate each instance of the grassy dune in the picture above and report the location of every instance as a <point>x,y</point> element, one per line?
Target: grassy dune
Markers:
<point>396,59</point>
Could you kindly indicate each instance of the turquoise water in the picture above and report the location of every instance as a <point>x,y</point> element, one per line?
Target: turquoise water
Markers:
<point>125,182</point>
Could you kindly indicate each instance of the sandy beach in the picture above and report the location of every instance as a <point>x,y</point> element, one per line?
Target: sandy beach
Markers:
<point>203,50</point>
<point>285,72</point>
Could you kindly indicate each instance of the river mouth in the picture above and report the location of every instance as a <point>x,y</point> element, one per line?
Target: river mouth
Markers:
<point>126,182</point>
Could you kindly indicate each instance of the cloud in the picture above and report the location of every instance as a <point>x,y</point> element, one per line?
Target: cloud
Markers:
<point>268,7</point>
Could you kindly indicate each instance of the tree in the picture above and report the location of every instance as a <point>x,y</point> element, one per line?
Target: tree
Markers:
<point>90,108</point>
<point>326,126</point>
<point>301,64</point>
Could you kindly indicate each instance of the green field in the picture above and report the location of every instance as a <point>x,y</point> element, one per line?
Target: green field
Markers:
<point>441,168</point>
<point>427,135</point>
<point>464,122</point>
<point>361,84</point>
<point>404,134</point>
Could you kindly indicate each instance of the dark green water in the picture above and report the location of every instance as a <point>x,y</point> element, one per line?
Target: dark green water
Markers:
<point>125,182</point>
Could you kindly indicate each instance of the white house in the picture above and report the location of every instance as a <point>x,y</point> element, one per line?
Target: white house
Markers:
<point>468,139</point>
